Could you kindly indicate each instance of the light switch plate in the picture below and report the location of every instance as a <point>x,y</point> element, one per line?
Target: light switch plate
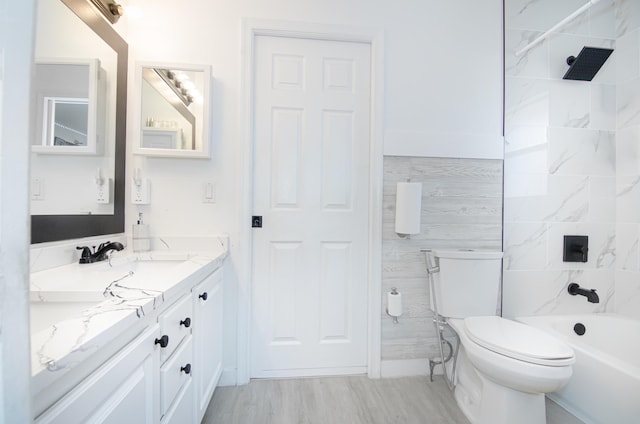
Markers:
<point>37,189</point>
<point>209,192</point>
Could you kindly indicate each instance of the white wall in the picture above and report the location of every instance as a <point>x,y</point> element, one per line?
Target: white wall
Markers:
<point>442,91</point>
<point>16,51</point>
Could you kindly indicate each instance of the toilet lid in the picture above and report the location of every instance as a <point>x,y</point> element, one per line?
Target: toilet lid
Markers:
<point>518,341</point>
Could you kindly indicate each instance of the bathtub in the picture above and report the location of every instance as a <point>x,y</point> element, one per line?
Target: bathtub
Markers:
<point>605,385</point>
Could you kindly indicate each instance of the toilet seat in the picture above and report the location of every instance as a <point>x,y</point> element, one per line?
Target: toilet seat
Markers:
<point>518,341</point>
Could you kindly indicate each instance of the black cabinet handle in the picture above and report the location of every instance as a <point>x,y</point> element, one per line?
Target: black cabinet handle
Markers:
<point>186,369</point>
<point>163,341</point>
<point>186,322</point>
<point>204,296</point>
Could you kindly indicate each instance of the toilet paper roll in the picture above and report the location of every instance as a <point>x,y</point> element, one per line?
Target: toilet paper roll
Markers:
<point>394,304</point>
<point>408,208</point>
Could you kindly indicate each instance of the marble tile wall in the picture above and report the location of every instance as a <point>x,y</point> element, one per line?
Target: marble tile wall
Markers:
<point>461,208</point>
<point>571,159</point>
<point>627,278</point>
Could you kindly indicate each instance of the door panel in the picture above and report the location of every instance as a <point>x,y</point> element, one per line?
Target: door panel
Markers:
<point>311,185</point>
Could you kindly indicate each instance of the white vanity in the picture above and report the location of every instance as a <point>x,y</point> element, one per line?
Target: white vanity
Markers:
<point>134,339</point>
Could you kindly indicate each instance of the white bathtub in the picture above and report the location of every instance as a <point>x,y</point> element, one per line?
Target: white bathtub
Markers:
<point>605,386</point>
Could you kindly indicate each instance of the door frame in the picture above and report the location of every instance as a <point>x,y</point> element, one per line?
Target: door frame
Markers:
<point>252,28</point>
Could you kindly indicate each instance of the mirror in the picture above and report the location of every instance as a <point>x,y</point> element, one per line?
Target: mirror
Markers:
<point>174,110</point>
<point>67,118</point>
<point>66,122</point>
<point>79,120</point>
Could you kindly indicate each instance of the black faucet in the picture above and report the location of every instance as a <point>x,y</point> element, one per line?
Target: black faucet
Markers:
<point>101,254</point>
<point>591,294</point>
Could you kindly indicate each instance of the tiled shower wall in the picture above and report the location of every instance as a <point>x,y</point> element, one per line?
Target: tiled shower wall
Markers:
<point>572,164</point>
<point>461,209</point>
<point>627,279</point>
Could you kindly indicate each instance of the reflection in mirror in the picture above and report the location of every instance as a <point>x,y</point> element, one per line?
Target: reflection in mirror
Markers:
<point>69,108</point>
<point>79,121</point>
<point>66,121</point>
<point>174,108</point>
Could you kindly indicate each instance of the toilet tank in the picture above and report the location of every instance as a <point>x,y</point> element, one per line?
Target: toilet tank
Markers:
<point>468,283</point>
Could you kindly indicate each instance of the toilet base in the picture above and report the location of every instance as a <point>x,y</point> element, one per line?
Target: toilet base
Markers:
<point>502,405</point>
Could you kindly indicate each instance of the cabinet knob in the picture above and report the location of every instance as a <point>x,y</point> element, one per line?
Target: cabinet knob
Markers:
<point>163,341</point>
<point>186,369</point>
<point>204,296</point>
<point>186,322</point>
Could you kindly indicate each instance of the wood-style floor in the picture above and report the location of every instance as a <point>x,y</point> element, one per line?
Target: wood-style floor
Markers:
<point>345,400</point>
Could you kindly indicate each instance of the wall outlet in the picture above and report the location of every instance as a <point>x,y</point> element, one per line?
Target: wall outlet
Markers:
<point>141,191</point>
<point>103,191</point>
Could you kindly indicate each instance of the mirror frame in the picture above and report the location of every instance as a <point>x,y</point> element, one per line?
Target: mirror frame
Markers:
<point>205,153</point>
<point>46,228</point>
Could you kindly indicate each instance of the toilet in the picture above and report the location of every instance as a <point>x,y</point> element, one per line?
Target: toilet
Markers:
<point>504,368</point>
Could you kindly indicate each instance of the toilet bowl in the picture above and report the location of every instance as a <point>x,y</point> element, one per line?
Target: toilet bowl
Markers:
<point>506,367</point>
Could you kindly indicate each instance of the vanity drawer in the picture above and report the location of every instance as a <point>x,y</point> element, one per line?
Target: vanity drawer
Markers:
<point>174,374</point>
<point>176,323</point>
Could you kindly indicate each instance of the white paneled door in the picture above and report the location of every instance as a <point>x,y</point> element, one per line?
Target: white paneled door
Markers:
<point>311,187</point>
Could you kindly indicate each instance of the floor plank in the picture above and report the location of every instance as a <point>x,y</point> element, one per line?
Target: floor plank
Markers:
<point>345,400</point>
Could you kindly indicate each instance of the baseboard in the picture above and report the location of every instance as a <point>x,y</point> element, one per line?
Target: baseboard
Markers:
<point>228,377</point>
<point>404,368</point>
<point>388,369</point>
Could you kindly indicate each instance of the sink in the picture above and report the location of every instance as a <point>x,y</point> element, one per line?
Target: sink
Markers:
<point>58,294</point>
<point>88,280</point>
<point>45,314</point>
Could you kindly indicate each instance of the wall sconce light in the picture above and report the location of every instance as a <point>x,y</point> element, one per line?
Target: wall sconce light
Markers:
<point>111,10</point>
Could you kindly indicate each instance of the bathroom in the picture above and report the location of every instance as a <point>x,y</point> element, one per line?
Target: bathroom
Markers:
<point>437,117</point>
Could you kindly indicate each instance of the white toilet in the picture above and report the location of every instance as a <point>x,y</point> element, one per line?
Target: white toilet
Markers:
<point>504,367</point>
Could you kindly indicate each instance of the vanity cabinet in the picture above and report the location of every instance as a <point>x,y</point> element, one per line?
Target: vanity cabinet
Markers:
<point>167,374</point>
<point>123,390</point>
<point>207,335</point>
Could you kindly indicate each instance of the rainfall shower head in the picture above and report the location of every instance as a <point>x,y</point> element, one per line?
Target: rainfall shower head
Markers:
<point>587,64</point>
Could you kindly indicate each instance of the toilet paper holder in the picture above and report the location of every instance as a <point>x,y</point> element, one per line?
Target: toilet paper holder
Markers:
<point>394,304</point>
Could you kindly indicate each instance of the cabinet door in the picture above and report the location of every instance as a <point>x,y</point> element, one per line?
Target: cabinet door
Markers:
<point>207,339</point>
<point>125,389</point>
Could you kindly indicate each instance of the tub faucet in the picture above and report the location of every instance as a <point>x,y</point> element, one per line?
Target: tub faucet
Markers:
<point>591,295</point>
<point>100,254</point>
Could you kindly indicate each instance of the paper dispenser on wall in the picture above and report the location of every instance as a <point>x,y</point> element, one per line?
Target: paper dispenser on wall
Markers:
<point>408,208</point>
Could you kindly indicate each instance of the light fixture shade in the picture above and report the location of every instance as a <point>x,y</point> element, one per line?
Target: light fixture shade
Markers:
<point>408,208</point>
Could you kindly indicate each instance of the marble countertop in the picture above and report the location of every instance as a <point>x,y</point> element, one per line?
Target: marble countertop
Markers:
<point>77,309</point>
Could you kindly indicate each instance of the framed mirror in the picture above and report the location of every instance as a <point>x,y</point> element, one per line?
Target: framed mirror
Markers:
<point>67,95</point>
<point>174,107</point>
<point>64,186</point>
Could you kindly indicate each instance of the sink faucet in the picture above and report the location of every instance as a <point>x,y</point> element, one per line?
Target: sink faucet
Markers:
<point>101,254</point>
<point>591,295</point>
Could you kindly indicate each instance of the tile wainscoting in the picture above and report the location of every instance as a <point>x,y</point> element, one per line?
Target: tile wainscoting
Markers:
<point>461,208</point>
